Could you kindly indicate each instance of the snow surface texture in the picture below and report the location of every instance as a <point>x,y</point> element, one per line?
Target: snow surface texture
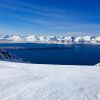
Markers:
<point>50,39</point>
<point>48,82</point>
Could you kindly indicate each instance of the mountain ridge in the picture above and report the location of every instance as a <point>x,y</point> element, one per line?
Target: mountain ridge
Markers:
<point>50,39</point>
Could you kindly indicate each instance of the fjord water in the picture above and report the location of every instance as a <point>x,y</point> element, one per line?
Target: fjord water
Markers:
<point>76,55</point>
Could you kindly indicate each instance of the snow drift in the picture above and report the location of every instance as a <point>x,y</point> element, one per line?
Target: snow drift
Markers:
<point>48,82</point>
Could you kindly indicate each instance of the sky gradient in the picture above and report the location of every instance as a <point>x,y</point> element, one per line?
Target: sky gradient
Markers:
<point>50,17</point>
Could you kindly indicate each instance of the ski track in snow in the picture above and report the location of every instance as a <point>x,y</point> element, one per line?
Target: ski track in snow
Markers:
<point>48,82</point>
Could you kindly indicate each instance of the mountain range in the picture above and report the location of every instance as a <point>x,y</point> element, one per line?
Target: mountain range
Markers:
<point>50,39</point>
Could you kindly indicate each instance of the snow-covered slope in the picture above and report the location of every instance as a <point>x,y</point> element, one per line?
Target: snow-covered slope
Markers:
<point>48,82</point>
<point>50,39</point>
<point>6,56</point>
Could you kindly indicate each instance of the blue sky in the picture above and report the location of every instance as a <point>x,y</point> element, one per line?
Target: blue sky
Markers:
<point>50,17</point>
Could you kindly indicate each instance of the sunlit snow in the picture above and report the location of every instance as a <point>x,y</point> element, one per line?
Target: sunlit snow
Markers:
<point>48,82</point>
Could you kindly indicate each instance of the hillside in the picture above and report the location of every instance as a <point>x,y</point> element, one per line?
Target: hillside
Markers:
<point>48,82</point>
<point>6,56</point>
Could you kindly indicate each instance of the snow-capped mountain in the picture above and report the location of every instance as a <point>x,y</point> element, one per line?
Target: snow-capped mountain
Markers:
<point>6,56</point>
<point>50,39</point>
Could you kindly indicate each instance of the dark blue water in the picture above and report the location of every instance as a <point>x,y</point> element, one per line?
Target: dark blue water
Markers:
<point>77,55</point>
